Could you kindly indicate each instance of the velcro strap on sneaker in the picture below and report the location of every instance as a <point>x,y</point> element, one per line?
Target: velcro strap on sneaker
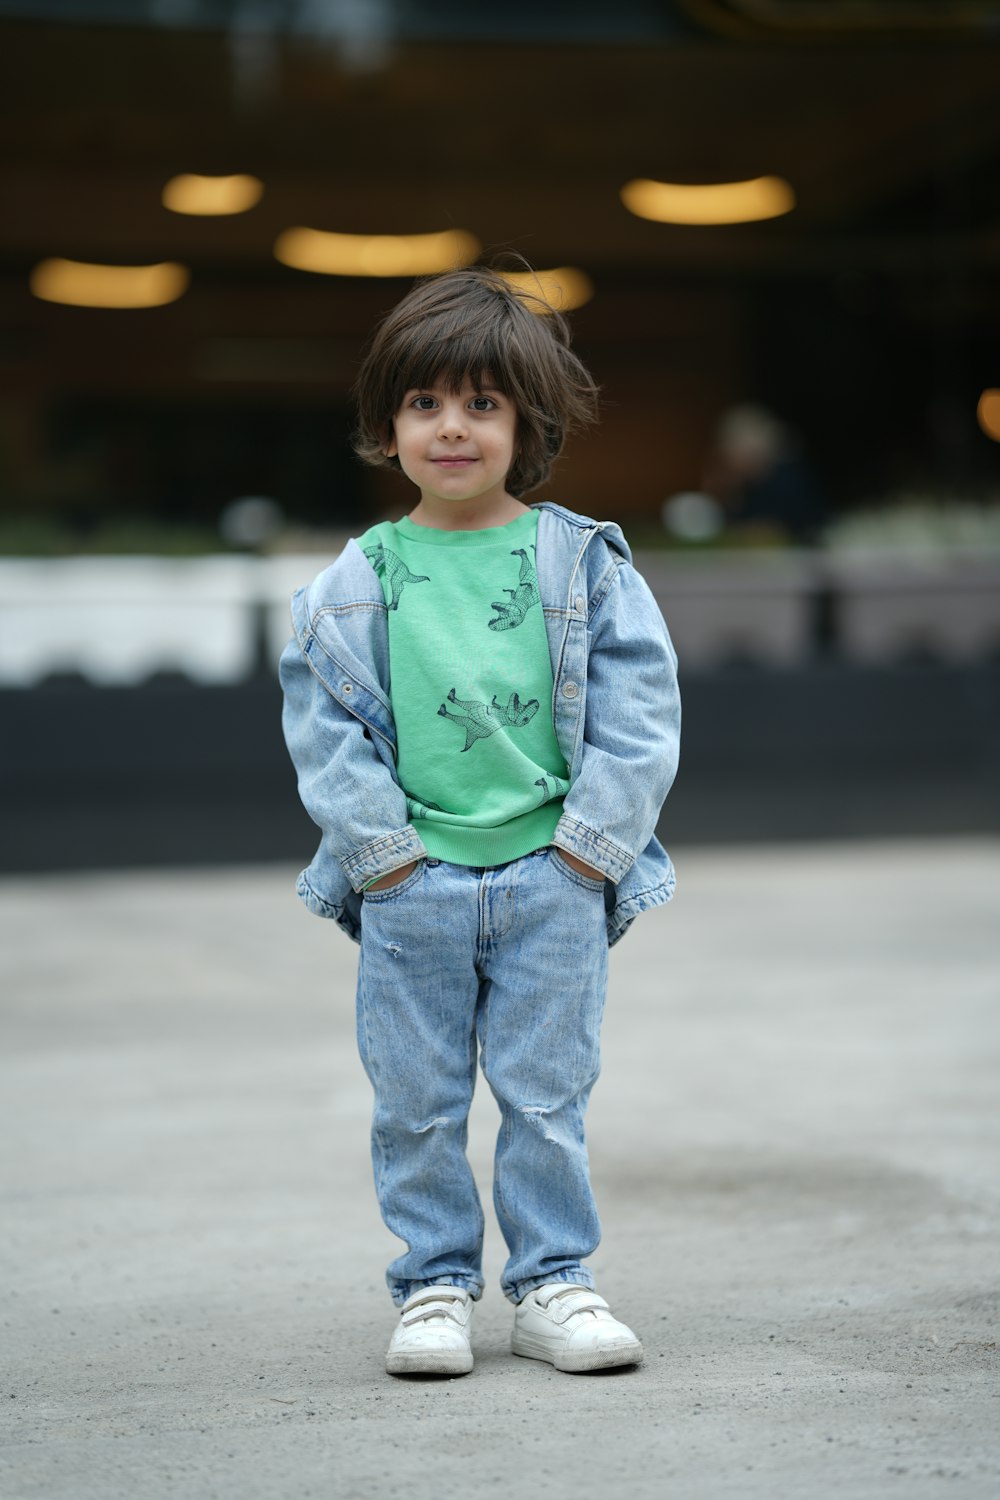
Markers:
<point>561,1305</point>
<point>437,1303</point>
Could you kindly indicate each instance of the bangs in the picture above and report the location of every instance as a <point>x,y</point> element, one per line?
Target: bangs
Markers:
<point>450,357</point>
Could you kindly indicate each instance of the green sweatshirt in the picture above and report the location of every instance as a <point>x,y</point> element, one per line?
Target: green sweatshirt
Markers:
<point>471,688</point>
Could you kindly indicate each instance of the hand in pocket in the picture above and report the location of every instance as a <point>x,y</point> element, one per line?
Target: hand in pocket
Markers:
<point>393,878</point>
<point>578,864</point>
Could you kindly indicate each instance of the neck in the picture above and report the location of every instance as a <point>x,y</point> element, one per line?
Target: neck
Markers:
<point>443,516</point>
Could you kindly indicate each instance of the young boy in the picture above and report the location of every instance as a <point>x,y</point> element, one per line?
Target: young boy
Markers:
<point>481,703</point>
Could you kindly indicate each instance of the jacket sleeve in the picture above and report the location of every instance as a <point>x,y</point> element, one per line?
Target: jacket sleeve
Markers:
<point>345,785</point>
<point>631,735</point>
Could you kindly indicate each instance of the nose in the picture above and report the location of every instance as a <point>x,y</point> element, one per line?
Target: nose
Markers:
<point>452,420</point>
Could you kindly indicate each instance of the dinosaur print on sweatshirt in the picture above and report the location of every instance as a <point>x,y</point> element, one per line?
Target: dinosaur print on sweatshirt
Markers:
<point>511,614</point>
<point>557,788</point>
<point>480,720</point>
<point>392,568</point>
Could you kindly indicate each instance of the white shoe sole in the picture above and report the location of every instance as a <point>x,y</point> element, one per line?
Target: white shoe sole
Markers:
<point>429,1362</point>
<point>578,1361</point>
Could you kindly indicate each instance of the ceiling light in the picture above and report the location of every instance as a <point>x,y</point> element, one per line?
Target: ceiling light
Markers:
<point>190,193</point>
<point>708,203</point>
<point>375,254</point>
<point>988,412</point>
<point>560,290</point>
<point>80,284</point>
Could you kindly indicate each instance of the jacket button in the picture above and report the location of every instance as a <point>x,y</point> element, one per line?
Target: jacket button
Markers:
<point>570,690</point>
<point>346,688</point>
<point>578,605</point>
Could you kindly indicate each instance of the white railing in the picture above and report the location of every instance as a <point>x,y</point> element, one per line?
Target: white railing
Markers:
<point>120,620</point>
<point>117,621</point>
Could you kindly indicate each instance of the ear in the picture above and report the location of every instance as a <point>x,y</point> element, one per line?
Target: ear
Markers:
<point>391,448</point>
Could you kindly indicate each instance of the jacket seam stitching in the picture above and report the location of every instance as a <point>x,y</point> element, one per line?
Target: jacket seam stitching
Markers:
<point>348,708</point>
<point>609,580</point>
<point>602,839</point>
<point>346,608</point>
<point>649,890</point>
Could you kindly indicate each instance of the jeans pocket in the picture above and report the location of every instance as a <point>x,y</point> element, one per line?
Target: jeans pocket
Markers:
<point>390,892</point>
<point>586,881</point>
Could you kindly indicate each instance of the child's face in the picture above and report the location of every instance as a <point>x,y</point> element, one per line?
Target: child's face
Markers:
<point>458,448</point>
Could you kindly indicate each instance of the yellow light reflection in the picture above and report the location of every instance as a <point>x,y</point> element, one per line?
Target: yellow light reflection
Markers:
<point>562,289</point>
<point>708,203</point>
<point>190,193</point>
<point>988,412</point>
<point>375,254</point>
<point>78,283</point>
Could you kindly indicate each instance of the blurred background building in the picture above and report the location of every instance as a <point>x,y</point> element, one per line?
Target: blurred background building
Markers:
<point>777,224</point>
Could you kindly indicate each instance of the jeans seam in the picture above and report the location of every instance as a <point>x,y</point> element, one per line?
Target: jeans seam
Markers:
<point>507,1131</point>
<point>376,1134</point>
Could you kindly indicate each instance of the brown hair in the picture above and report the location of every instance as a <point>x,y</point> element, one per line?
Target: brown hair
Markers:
<point>472,324</point>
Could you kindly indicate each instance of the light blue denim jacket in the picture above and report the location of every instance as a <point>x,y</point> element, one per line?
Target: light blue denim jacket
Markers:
<point>615,706</point>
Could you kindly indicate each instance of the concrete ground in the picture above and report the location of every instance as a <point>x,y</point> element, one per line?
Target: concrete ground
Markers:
<point>795,1147</point>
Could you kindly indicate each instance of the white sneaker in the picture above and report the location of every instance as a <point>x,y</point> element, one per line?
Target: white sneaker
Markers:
<point>572,1328</point>
<point>432,1336</point>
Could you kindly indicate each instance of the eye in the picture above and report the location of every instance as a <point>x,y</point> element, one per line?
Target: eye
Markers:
<point>482,403</point>
<point>424,403</point>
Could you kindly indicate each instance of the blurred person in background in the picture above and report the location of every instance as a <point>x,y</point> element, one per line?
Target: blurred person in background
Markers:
<point>757,471</point>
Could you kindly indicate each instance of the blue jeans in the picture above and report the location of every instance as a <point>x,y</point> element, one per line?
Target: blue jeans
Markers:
<point>516,955</point>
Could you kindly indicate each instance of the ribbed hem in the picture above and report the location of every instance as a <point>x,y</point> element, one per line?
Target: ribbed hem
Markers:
<point>458,845</point>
